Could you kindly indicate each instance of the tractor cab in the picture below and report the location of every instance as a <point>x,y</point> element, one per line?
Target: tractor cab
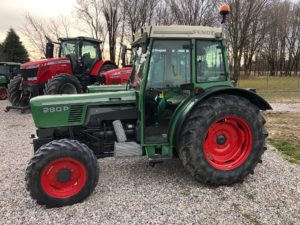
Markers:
<point>170,70</point>
<point>83,53</point>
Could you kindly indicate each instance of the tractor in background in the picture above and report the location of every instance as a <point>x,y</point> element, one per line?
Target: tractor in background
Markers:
<point>179,103</point>
<point>78,65</point>
<point>8,70</point>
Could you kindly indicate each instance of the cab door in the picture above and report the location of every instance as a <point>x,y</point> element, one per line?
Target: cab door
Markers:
<point>169,68</point>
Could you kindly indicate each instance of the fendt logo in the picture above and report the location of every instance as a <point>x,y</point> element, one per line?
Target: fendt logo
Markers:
<point>56,109</point>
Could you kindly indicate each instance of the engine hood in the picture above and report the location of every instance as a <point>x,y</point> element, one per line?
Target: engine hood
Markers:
<point>50,111</point>
<point>117,72</point>
<point>44,62</point>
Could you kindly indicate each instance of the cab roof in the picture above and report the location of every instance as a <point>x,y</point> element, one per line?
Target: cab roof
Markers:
<point>180,31</point>
<point>81,38</point>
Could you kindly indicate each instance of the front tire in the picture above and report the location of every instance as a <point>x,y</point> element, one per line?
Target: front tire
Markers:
<point>14,92</point>
<point>63,84</point>
<point>223,139</point>
<point>3,93</point>
<point>62,172</point>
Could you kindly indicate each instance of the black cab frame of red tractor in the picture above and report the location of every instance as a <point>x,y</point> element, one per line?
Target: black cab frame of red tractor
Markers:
<point>78,65</point>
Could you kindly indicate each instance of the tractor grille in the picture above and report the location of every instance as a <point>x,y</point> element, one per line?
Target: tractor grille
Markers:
<point>25,73</point>
<point>75,114</point>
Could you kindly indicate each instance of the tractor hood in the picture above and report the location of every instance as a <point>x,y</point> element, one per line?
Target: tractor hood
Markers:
<point>44,62</point>
<point>51,111</point>
<point>117,76</point>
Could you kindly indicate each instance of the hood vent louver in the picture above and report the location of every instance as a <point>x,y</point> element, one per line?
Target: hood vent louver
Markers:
<point>75,114</point>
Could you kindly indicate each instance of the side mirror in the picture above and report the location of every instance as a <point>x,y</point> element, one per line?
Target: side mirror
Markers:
<point>49,50</point>
<point>123,55</point>
<point>145,41</point>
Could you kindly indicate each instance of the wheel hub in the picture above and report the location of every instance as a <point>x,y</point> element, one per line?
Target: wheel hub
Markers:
<point>63,175</point>
<point>221,139</point>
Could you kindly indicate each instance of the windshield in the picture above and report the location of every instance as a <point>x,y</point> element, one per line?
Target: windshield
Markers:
<point>68,49</point>
<point>90,50</point>
<point>3,69</point>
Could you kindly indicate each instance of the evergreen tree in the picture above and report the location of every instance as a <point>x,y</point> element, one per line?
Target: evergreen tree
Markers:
<point>13,49</point>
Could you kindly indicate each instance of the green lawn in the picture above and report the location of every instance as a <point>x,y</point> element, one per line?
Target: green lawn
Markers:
<point>288,147</point>
<point>271,83</point>
<point>274,89</point>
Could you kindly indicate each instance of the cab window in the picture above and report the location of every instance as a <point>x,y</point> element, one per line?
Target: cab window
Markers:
<point>210,61</point>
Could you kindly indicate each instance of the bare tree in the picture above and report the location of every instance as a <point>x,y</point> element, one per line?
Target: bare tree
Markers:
<point>35,29</point>
<point>163,14</point>
<point>35,32</point>
<point>242,20</point>
<point>139,13</point>
<point>110,9</point>
<point>89,12</point>
<point>194,12</point>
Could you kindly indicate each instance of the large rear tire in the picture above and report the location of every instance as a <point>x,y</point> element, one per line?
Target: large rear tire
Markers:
<point>62,172</point>
<point>14,92</point>
<point>222,140</point>
<point>63,84</point>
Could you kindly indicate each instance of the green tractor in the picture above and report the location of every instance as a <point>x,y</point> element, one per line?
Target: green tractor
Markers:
<point>8,70</point>
<point>178,103</point>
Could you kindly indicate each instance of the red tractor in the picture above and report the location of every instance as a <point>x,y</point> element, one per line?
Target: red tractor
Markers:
<point>79,64</point>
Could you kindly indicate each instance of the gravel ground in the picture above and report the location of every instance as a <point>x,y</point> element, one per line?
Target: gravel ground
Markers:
<point>285,107</point>
<point>132,192</point>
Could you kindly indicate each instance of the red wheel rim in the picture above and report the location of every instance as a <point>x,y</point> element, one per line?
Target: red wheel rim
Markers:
<point>228,143</point>
<point>3,93</point>
<point>63,178</point>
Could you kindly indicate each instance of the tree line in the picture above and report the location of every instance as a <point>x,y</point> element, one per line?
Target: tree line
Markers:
<point>263,35</point>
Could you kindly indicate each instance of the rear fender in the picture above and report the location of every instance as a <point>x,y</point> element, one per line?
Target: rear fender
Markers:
<point>184,110</point>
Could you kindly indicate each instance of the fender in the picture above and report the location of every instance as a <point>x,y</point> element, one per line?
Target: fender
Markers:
<point>98,65</point>
<point>184,109</point>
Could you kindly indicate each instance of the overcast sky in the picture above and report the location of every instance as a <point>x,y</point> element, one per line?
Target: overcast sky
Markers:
<point>12,12</point>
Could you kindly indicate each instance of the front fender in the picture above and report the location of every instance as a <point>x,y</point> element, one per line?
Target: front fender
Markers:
<point>183,110</point>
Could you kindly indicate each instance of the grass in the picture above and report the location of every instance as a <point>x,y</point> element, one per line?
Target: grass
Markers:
<point>284,134</point>
<point>274,89</point>
<point>281,96</point>
<point>271,83</point>
<point>289,148</point>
